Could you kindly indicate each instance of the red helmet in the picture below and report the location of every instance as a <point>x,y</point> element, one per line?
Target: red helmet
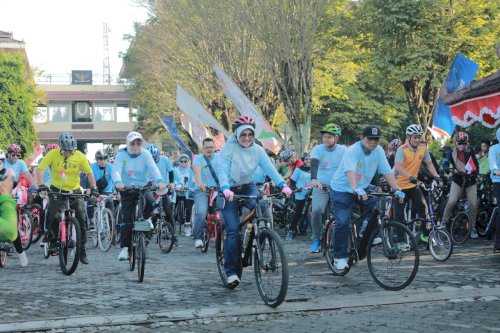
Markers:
<point>13,148</point>
<point>461,138</point>
<point>243,120</point>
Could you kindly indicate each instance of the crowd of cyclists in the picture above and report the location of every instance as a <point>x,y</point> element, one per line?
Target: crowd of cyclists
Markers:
<point>332,176</point>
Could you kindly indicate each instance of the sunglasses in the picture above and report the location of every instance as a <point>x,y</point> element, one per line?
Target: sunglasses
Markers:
<point>15,155</point>
<point>249,135</point>
<point>183,161</point>
<point>101,159</point>
<point>135,143</point>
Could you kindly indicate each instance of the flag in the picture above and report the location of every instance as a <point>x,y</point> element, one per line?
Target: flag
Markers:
<point>470,167</point>
<point>263,131</point>
<point>195,110</point>
<point>461,74</point>
<point>198,131</point>
<point>169,124</point>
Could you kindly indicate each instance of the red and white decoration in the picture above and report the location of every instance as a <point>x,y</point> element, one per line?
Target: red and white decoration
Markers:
<point>485,109</point>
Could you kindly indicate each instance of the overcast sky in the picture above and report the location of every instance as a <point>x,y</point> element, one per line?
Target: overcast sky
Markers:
<point>65,35</point>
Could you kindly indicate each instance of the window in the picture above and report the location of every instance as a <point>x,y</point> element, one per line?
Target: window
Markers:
<point>103,111</point>
<point>82,112</point>
<point>122,113</point>
<point>58,112</point>
<point>41,114</point>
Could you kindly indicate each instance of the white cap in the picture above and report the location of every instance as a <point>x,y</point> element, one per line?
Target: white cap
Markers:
<point>134,136</point>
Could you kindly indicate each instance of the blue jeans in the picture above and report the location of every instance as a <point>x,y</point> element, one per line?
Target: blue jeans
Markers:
<point>232,224</point>
<point>201,205</point>
<point>342,203</point>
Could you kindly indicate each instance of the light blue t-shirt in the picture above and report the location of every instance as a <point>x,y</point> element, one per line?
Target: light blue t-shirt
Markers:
<point>259,176</point>
<point>302,179</point>
<point>206,175</point>
<point>185,177</point>
<point>364,165</point>
<point>165,167</point>
<point>135,171</point>
<point>329,161</point>
<point>18,167</point>
<point>105,172</point>
<point>494,162</point>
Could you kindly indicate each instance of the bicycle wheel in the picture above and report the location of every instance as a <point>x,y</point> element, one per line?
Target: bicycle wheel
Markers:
<point>393,263</point>
<point>35,223</point>
<point>181,215</point>
<point>165,236</point>
<point>132,252</point>
<point>141,256</point>
<point>104,233</point>
<point>271,268</point>
<point>440,244</point>
<point>327,245</point>
<point>219,254</point>
<point>205,238</point>
<point>482,222</point>
<point>69,246</point>
<point>460,228</point>
<point>116,227</point>
<point>25,228</point>
<point>3,254</point>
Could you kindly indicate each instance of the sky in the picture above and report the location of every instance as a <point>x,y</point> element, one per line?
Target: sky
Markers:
<point>66,35</point>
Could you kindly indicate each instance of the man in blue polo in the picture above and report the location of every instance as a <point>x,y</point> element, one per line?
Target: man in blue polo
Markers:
<point>349,183</point>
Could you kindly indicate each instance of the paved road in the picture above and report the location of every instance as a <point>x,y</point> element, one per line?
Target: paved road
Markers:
<point>182,292</point>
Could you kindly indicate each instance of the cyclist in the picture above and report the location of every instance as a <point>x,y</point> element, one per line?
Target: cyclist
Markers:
<point>393,146</point>
<point>134,166</point>
<point>8,213</point>
<point>325,159</point>
<point>409,158</point>
<point>349,184</point>
<point>102,173</point>
<point>301,178</point>
<point>167,172</point>
<point>288,157</point>
<point>482,158</point>
<point>204,175</point>
<point>185,181</point>
<point>66,164</point>
<point>464,163</point>
<point>239,158</point>
<point>494,164</point>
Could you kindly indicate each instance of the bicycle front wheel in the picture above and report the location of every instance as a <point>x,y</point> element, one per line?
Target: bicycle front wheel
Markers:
<point>327,245</point>
<point>271,268</point>
<point>3,254</point>
<point>205,238</point>
<point>460,228</point>
<point>482,222</point>
<point>35,224</point>
<point>25,228</point>
<point>69,246</point>
<point>393,263</point>
<point>104,233</point>
<point>440,244</point>
<point>165,236</point>
<point>141,256</point>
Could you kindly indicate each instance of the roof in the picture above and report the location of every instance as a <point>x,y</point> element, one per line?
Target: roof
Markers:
<point>486,85</point>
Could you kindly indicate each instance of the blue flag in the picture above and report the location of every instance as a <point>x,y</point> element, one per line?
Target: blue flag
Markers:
<point>169,124</point>
<point>461,74</point>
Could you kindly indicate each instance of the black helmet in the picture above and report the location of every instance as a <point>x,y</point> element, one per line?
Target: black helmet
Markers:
<point>67,141</point>
<point>305,155</point>
<point>100,155</point>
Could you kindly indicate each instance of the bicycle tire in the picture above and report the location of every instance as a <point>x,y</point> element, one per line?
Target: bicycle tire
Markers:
<point>25,228</point>
<point>3,255</point>
<point>104,233</point>
<point>399,249</point>
<point>460,228</point>
<point>70,248</point>
<point>205,238</point>
<point>482,220</point>
<point>327,245</point>
<point>132,253</point>
<point>271,271</point>
<point>141,257</point>
<point>35,225</point>
<point>440,244</point>
<point>116,227</point>
<point>219,254</point>
<point>165,235</point>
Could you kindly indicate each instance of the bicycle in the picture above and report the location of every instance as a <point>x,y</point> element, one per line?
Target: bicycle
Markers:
<point>397,253</point>
<point>68,243</point>
<point>180,212</point>
<point>270,262</point>
<point>213,219</point>
<point>103,221</point>
<point>165,234</point>
<point>487,207</point>
<point>6,250</point>
<point>25,224</point>
<point>117,220</point>
<point>439,243</point>
<point>461,226</point>
<point>142,230</point>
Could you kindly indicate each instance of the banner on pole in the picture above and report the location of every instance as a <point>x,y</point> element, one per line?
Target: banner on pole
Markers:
<point>198,131</point>
<point>169,124</point>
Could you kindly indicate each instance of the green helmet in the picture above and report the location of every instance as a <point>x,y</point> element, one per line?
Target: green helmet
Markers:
<point>332,129</point>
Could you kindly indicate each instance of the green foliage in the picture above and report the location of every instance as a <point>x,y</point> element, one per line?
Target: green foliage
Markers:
<point>17,103</point>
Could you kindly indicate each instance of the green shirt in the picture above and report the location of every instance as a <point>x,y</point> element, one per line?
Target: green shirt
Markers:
<point>484,167</point>
<point>8,218</point>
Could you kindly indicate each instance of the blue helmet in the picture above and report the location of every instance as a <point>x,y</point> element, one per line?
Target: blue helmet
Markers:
<point>154,150</point>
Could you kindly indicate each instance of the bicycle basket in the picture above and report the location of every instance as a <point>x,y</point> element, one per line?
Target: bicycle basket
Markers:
<point>143,225</point>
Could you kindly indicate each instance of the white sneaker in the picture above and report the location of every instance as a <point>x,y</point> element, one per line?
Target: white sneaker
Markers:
<point>377,240</point>
<point>198,243</point>
<point>123,254</point>
<point>187,232</point>
<point>23,259</point>
<point>473,234</point>
<point>341,264</point>
<point>233,280</point>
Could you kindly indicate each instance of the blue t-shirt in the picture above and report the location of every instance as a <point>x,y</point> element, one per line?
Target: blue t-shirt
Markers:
<point>302,179</point>
<point>135,170</point>
<point>259,176</point>
<point>364,165</point>
<point>329,161</point>
<point>206,175</point>
<point>18,167</point>
<point>185,177</point>
<point>165,167</point>
<point>105,172</point>
<point>494,162</point>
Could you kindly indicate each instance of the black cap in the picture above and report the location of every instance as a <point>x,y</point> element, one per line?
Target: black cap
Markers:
<point>371,132</point>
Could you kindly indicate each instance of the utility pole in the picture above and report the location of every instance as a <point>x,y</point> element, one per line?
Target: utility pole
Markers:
<point>106,71</point>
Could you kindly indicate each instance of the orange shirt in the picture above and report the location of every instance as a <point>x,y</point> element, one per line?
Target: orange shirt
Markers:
<point>411,162</point>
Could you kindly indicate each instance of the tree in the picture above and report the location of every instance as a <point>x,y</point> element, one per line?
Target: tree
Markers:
<point>17,103</point>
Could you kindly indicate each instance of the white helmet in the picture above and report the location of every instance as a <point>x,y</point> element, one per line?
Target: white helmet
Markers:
<point>2,155</point>
<point>414,129</point>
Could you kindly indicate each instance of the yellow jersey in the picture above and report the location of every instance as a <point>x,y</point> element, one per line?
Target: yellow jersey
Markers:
<point>65,171</point>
